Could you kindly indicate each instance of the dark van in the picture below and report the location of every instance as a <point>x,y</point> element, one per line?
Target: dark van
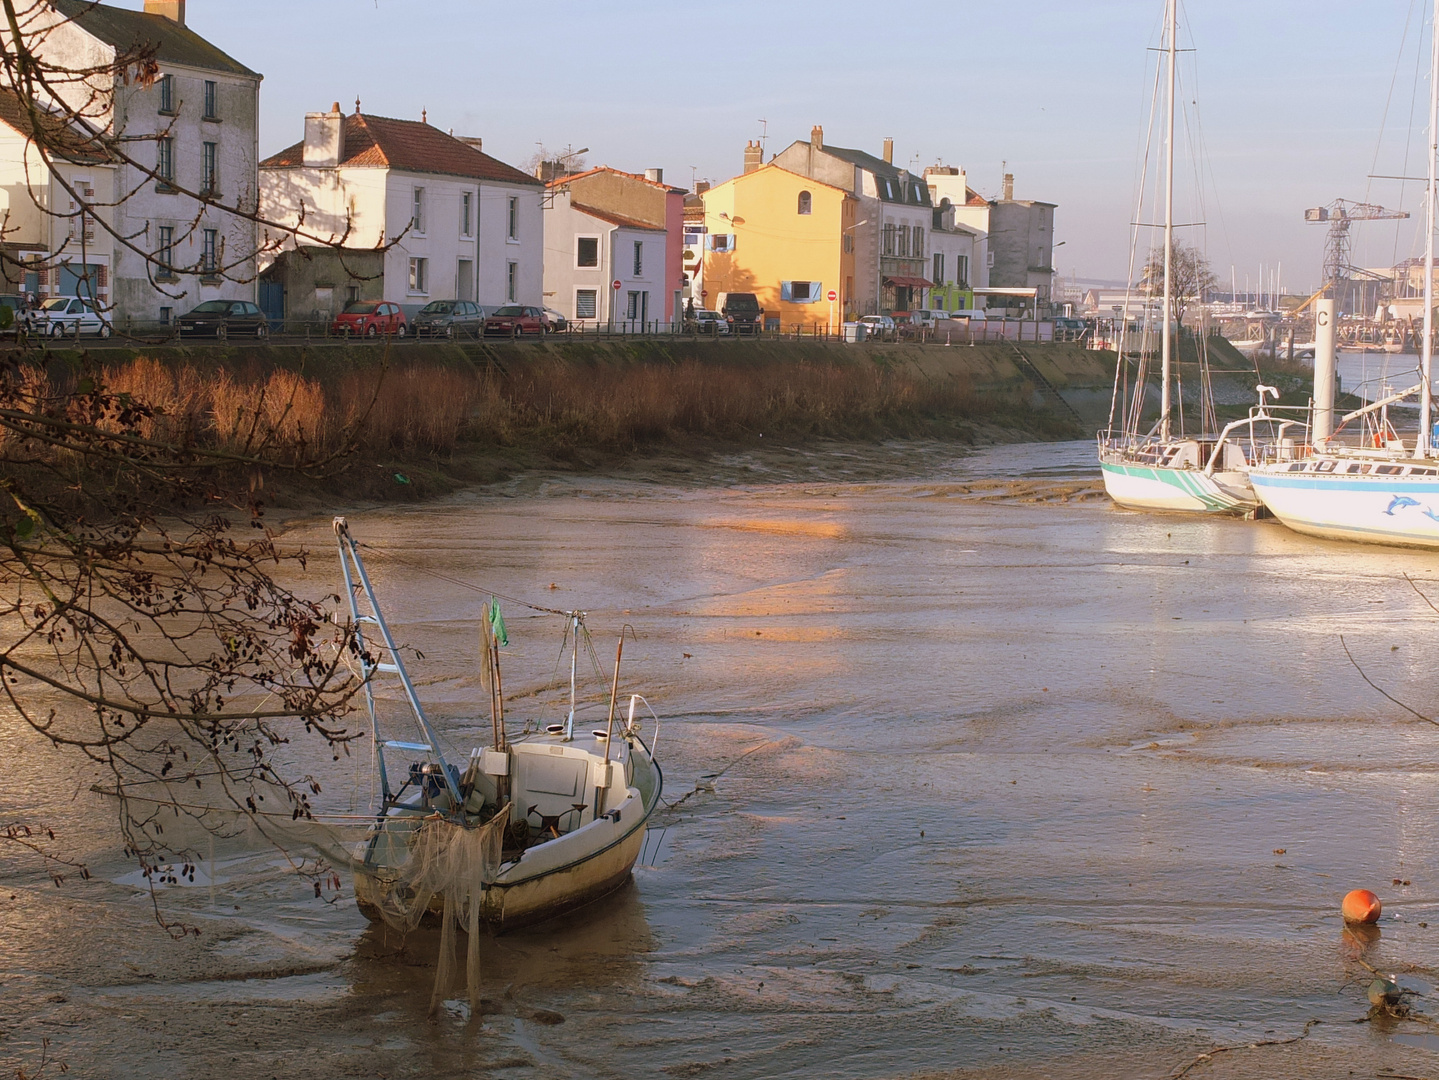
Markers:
<point>742,311</point>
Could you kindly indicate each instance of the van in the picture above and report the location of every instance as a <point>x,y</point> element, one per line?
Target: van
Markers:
<point>741,310</point>
<point>927,317</point>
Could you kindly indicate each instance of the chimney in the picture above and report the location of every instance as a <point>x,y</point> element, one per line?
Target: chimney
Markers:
<point>656,176</point>
<point>473,141</point>
<point>324,138</point>
<point>753,156</point>
<point>174,10</point>
<point>889,151</point>
<point>816,137</point>
<point>1008,186</point>
<point>701,186</point>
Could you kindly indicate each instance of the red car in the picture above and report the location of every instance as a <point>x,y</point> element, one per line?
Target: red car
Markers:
<point>513,320</point>
<point>370,318</point>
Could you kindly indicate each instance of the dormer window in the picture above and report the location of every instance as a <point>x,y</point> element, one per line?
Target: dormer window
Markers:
<point>806,202</point>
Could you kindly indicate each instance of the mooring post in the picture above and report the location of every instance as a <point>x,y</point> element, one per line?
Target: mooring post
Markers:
<point>1324,368</point>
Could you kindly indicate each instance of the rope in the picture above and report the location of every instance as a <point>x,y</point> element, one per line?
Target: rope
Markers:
<point>384,552</point>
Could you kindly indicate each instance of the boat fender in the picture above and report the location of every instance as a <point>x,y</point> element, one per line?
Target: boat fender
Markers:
<point>1361,906</point>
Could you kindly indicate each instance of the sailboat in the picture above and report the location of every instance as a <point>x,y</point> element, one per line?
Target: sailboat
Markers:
<point>533,824</point>
<point>1162,469</point>
<point>1377,488</point>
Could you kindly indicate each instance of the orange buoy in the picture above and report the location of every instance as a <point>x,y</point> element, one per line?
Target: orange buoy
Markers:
<point>1361,906</point>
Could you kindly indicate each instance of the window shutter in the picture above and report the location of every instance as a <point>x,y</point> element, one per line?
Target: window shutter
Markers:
<point>816,291</point>
<point>786,291</point>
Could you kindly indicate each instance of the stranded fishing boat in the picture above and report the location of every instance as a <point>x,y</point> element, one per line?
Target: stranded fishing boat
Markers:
<point>531,826</point>
<point>1165,469</point>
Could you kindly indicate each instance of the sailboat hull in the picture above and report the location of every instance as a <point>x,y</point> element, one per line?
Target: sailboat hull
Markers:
<point>1399,510</point>
<point>1155,487</point>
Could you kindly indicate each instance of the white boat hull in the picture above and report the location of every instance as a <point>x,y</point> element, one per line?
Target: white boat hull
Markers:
<point>1188,490</point>
<point>1401,510</point>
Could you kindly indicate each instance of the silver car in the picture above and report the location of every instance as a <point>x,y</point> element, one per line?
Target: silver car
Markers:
<point>69,315</point>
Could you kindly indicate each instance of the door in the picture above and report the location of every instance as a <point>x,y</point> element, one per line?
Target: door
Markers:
<point>272,301</point>
<point>465,278</point>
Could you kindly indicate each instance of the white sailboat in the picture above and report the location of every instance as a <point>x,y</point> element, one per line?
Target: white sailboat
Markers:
<point>1161,469</point>
<point>533,825</point>
<point>1378,488</point>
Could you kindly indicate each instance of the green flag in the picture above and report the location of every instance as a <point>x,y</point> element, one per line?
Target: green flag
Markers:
<point>497,623</point>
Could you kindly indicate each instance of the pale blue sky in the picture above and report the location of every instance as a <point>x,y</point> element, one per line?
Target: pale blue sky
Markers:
<point>1291,95</point>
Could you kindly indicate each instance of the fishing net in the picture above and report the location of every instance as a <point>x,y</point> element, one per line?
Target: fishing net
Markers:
<point>454,862</point>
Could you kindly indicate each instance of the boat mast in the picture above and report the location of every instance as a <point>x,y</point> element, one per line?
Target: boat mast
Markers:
<point>1164,347</point>
<point>1422,447</point>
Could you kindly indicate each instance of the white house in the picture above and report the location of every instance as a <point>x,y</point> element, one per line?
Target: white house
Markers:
<point>950,192</point>
<point>455,223</point>
<point>191,135</point>
<point>588,251</point>
<point>50,243</point>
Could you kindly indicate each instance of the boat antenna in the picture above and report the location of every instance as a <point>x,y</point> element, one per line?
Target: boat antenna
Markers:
<point>1165,345</point>
<point>610,723</point>
<point>574,663</point>
<point>1422,444</point>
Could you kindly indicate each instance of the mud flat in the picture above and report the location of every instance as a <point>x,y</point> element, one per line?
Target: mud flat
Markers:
<point>989,779</point>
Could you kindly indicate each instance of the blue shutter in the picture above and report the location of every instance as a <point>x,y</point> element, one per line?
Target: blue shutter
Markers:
<point>785,292</point>
<point>816,291</point>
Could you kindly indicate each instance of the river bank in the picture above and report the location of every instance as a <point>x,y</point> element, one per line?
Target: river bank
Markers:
<point>410,421</point>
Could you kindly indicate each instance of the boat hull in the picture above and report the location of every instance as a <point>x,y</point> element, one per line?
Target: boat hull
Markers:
<point>1155,487</point>
<point>1396,510</point>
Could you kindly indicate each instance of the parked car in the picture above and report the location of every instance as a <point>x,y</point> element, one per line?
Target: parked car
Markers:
<point>370,318</point>
<point>555,323</point>
<point>224,318</point>
<point>927,317</point>
<point>21,316</point>
<point>514,320</point>
<point>878,327</point>
<point>449,319</point>
<point>742,311</point>
<point>710,322</point>
<point>69,315</point>
<point>1069,329</point>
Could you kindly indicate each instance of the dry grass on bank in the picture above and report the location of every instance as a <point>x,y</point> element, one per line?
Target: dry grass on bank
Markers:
<point>433,408</point>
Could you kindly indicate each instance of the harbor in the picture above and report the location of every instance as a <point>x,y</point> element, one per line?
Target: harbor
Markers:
<point>964,763</point>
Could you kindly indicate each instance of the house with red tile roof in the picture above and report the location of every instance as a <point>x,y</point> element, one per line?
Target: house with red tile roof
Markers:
<point>451,222</point>
<point>612,198</point>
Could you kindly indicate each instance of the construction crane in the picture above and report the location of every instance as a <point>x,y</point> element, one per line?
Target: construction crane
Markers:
<point>1338,215</point>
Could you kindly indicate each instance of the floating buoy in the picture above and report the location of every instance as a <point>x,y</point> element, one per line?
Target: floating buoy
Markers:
<point>1361,906</point>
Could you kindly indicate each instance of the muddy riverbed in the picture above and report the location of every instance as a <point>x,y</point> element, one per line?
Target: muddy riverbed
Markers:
<point>984,777</point>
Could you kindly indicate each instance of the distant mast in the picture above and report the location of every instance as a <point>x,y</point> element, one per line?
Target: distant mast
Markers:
<point>1422,444</point>
<point>1171,20</point>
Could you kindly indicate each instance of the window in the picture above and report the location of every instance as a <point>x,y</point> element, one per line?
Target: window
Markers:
<point>888,248</point>
<point>512,278</point>
<point>211,106</point>
<point>465,228</point>
<point>419,275</point>
<point>165,160</point>
<point>938,268</point>
<point>721,242</point>
<point>210,181</point>
<point>638,308</point>
<point>165,251</point>
<point>352,294</point>
<point>918,243</point>
<point>166,315</point>
<point>848,243</point>
<point>806,203</point>
<point>209,259</point>
<point>903,241</point>
<point>961,271</point>
<point>800,292</point>
<point>417,213</point>
<point>514,233</point>
<point>587,251</point>
<point>639,258</point>
<point>167,94</point>
<point>586,302</point>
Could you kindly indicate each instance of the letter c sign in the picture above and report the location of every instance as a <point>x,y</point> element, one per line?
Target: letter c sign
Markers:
<point>1321,318</point>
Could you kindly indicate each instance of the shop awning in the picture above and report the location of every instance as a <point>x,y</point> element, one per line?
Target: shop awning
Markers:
<point>909,282</point>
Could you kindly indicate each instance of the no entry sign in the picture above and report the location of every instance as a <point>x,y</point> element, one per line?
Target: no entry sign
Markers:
<point>833,296</point>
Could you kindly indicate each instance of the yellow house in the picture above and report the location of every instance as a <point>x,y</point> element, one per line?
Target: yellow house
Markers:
<point>788,239</point>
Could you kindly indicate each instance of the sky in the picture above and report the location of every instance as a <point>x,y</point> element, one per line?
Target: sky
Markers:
<point>1294,103</point>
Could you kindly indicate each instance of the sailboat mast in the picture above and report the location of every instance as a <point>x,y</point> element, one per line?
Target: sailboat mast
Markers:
<point>1165,345</point>
<point>1422,446</point>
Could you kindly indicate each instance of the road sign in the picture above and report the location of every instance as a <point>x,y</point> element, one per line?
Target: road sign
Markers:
<point>704,293</point>
<point>833,296</point>
<point>615,284</point>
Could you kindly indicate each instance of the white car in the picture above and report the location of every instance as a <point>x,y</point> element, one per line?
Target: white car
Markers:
<point>878,326</point>
<point>710,322</point>
<point>69,315</point>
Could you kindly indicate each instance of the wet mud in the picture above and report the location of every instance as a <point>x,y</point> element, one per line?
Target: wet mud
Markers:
<point>969,775</point>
